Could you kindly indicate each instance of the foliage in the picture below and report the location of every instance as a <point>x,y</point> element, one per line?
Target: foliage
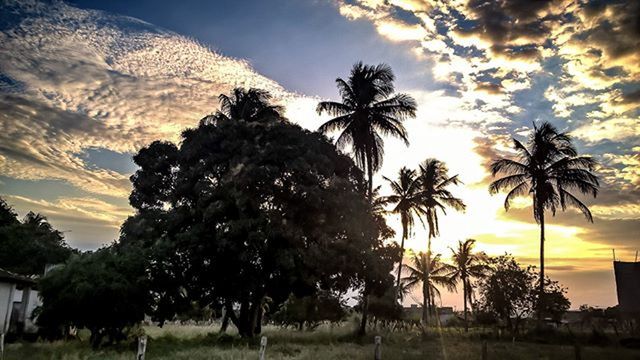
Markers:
<point>509,293</point>
<point>27,246</point>
<point>104,291</point>
<point>434,196</point>
<point>467,265</point>
<point>406,203</point>
<point>323,306</point>
<point>248,209</point>
<point>430,272</point>
<point>386,307</point>
<point>368,110</point>
<point>548,168</point>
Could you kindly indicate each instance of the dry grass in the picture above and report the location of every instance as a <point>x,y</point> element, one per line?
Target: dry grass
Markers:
<point>202,342</point>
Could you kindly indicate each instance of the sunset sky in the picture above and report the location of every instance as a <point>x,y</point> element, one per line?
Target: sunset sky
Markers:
<point>85,84</point>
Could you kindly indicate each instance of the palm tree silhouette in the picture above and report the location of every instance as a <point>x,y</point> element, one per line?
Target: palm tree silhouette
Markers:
<point>466,266</point>
<point>368,111</point>
<point>431,272</point>
<point>547,168</point>
<point>435,197</point>
<point>253,105</point>
<point>406,190</point>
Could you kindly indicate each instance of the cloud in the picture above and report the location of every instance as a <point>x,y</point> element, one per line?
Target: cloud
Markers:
<point>81,79</point>
<point>86,222</point>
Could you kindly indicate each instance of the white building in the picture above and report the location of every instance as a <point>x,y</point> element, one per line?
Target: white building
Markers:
<point>18,299</point>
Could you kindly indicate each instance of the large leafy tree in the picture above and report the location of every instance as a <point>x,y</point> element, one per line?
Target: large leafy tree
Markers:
<point>27,246</point>
<point>467,265</point>
<point>249,210</point>
<point>368,110</point>
<point>429,271</point>
<point>406,203</point>
<point>549,170</point>
<point>509,293</point>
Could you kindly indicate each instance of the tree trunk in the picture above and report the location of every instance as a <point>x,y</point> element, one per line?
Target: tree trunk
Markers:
<point>228,314</point>
<point>426,300</point>
<point>365,312</point>
<point>365,295</point>
<point>464,294</point>
<point>404,236</point>
<point>541,285</point>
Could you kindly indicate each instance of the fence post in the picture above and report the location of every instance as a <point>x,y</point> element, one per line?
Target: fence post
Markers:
<point>142,347</point>
<point>263,347</point>
<point>484,350</point>
<point>377,341</point>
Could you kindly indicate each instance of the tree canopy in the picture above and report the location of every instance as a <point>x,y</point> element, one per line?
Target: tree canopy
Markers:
<point>248,209</point>
<point>27,246</point>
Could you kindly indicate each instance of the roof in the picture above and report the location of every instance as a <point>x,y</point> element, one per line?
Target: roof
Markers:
<point>8,276</point>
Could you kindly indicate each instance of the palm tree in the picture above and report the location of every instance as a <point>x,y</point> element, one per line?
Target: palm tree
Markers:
<point>407,203</point>
<point>369,110</point>
<point>251,105</point>
<point>435,197</point>
<point>430,272</point>
<point>466,266</point>
<point>546,168</point>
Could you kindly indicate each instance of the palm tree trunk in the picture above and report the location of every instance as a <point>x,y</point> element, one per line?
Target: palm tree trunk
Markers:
<point>541,284</point>
<point>464,294</point>
<point>427,281</point>
<point>426,299</point>
<point>365,294</point>
<point>399,291</point>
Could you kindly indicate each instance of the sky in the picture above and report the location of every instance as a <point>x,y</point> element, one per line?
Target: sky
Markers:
<point>85,84</point>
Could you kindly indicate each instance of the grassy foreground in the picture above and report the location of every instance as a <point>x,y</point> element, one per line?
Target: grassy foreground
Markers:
<point>202,342</point>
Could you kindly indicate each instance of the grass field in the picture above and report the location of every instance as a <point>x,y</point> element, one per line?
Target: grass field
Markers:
<point>202,342</point>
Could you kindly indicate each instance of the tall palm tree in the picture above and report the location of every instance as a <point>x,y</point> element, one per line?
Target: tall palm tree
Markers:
<point>407,204</point>
<point>252,105</point>
<point>546,168</point>
<point>369,110</point>
<point>467,265</point>
<point>435,197</point>
<point>430,272</point>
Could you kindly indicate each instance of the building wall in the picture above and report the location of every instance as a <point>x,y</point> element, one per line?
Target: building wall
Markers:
<point>6,305</point>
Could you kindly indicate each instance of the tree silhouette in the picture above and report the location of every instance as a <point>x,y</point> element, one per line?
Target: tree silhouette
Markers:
<point>248,210</point>
<point>547,168</point>
<point>406,200</point>
<point>430,272</point>
<point>368,111</point>
<point>466,266</point>
<point>435,197</point>
<point>253,105</point>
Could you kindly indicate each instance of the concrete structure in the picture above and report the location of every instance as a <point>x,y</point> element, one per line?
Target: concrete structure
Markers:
<point>11,285</point>
<point>628,286</point>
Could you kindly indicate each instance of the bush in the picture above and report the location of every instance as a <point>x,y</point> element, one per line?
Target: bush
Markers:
<point>104,291</point>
